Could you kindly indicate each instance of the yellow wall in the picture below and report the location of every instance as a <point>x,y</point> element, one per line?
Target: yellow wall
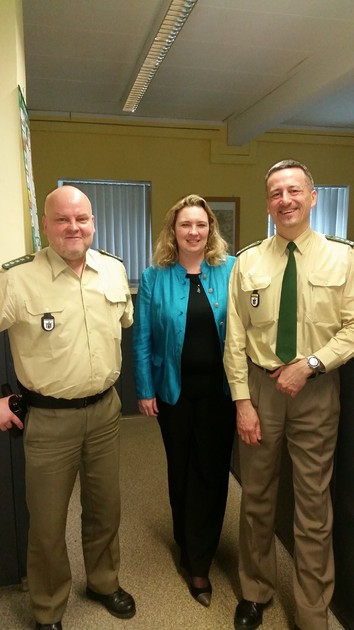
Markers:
<point>15,236</point>
<point>181,159</point>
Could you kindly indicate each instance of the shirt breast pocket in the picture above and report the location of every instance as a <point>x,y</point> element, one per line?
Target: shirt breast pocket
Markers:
<point>326,291</point>
<point>260,299</point>
<point>116,302</point>
<point>43,325</point>
<point>46,312</point>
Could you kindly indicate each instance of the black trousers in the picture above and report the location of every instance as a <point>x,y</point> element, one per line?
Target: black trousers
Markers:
<point>198,437</point>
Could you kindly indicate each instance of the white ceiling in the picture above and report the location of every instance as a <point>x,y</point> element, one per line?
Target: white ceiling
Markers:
<point>254,65</point>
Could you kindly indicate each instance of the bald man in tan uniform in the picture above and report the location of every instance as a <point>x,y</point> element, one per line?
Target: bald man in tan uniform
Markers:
<point>64,309</point>
<point>298,399</point>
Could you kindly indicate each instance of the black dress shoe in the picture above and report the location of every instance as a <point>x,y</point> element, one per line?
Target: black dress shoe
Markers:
<point>296,627</point>
<point>49,626</point>
<point>201,594</point>
<point>120,603</point>
<point>249,615</point>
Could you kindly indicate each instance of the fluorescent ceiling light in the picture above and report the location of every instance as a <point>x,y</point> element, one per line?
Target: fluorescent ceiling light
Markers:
<point>173,21</point>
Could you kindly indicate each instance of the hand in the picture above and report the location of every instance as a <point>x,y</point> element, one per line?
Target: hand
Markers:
<point>148,407</point>
<point>7,418</point>
<point>248,423</point>
<point>292,378</point>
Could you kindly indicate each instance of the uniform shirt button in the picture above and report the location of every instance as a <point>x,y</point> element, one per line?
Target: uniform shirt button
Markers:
<point>204,276</point>
<point>216,304</point>
<point>210,290</point>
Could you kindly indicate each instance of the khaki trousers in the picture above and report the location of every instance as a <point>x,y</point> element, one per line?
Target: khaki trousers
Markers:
<point>58,445</point>
<point>309,422</point>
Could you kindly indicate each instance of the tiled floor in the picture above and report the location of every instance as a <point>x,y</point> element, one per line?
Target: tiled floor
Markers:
<point>148,557</point>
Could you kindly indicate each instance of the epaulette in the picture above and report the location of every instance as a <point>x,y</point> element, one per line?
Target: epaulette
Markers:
<point>103,251</point>
<point>339,239</point>
<point>248,247</point>
<point>18,261</point>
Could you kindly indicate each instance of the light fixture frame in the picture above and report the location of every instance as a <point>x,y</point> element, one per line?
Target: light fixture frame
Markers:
<point>169,25</point>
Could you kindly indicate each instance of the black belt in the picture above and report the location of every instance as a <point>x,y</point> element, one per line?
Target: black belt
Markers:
<point>314,375</point>
<point>262,368</point>
<point>33,399</point>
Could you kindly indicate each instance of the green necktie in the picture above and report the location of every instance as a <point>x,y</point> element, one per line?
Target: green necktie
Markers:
<point>286,336</point>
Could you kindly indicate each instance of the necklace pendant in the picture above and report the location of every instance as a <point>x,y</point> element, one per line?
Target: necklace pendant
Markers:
<point>198,288</point>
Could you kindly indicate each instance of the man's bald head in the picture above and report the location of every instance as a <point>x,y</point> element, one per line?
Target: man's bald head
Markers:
<point>68,223</point>
<point>64,196</point>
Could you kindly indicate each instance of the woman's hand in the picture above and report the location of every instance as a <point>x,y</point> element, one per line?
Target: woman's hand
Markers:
<point>148,407</point>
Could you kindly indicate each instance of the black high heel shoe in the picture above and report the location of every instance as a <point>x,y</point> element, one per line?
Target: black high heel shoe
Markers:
<point>202,594</point>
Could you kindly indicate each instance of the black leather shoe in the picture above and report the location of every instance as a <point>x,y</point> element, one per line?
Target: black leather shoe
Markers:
<point>120,603</point>
<point>296,627</point>
<point>201,594</point>
<point>249,615</point>
<point>49,626</point>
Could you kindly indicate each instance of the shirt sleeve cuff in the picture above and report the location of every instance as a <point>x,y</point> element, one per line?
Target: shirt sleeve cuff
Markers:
<point>239,391</point>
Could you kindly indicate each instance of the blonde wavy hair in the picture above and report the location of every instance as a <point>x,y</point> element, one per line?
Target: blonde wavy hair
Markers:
<point>166,249</point>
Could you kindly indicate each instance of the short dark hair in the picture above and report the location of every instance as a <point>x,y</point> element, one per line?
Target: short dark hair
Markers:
<point>279,166</point>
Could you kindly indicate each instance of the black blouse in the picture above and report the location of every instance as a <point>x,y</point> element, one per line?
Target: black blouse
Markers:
<point>201,362</point>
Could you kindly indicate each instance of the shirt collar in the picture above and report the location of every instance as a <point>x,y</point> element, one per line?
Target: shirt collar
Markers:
<point>93,259</point>
<point>301,241</point>
<point>59,265</point>
<point>56,262</point>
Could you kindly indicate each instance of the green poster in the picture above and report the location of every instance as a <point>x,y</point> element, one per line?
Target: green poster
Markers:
<point>27,157</point>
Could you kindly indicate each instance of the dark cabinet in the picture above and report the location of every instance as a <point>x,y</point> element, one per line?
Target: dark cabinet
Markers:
<point>126,384</point>
<point>13,509</point>
<point>343,503</point>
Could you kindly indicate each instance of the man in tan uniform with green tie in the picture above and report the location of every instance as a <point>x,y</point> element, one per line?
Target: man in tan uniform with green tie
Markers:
<point>64,309</point>
<point>284,381</point>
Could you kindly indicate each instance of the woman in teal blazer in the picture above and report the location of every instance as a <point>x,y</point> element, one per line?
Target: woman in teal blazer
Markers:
<point>178,340</point>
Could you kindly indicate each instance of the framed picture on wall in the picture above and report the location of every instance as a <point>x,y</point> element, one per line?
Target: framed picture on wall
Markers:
<point>227,212</point>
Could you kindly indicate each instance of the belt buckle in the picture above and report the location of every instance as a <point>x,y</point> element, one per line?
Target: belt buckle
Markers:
<point>85,401</point>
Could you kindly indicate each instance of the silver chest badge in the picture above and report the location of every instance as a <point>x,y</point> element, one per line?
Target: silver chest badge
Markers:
<point>255,299</point>
<point>48,322</point>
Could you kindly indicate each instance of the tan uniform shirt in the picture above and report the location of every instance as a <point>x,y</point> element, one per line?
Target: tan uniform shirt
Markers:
<point>325,320</point>
<point>77,353</point>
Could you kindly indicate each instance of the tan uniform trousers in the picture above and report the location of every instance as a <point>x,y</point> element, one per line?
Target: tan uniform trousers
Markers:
<point>59,443</point>
<point>310,423</point>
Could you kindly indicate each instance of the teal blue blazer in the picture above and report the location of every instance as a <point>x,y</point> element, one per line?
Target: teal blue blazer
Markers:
<point>160,323</point>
